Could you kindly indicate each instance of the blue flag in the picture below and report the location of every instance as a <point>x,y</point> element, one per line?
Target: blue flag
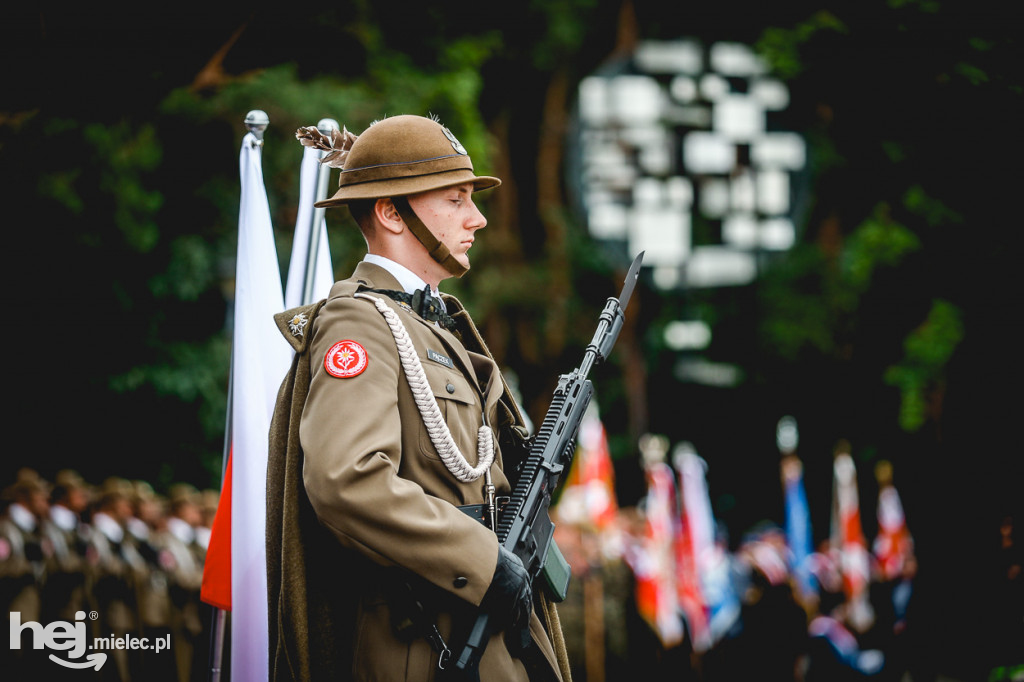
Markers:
<point>798,526</point>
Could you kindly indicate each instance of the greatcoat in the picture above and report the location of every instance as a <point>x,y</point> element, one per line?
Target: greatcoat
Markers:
<point>360,505</point>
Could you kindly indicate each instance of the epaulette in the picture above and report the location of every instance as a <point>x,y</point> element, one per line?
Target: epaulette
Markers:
<point>295,322</point>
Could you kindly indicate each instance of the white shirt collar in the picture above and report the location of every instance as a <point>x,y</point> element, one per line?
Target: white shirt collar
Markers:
<point>138,528</point>
<point>180,529</point>
<point>410,281</point>
<point>63,518</point>
<point>107,525</point>
<point>22,517</point>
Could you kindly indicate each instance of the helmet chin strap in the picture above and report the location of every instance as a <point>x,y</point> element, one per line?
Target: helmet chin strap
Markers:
<point>438,251</point>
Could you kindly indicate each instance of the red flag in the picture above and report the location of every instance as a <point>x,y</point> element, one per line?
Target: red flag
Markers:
<point>848,540</point>
<point>589,494</point>
<point>217,569</point>
<point>894,546</point>
<point>652,557</point>
<point>694,545</point>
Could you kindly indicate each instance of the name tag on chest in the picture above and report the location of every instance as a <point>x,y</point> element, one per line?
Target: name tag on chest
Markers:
<point>440,359</point>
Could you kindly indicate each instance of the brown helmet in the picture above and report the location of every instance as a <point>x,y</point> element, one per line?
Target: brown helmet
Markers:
<point>403,155</point>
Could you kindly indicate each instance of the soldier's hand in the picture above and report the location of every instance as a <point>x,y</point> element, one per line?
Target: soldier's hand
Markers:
<point>509,598</point>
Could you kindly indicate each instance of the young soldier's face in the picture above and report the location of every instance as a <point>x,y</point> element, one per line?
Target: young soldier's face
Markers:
<point>450,214</point>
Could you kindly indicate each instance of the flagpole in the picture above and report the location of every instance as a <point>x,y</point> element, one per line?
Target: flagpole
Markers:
<point>323,174</point>
<point>218,622</point>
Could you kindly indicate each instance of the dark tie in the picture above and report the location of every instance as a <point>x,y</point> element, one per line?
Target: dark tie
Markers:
<point>424,304</point>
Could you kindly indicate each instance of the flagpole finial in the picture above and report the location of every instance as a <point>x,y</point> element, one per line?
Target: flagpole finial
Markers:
<point>257,121</point>
<point>787,436</point>
<point>681,451</point>
<point>326,125</point>
<point>653,448</point>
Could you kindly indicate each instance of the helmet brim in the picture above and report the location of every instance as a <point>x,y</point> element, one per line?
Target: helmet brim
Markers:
<point>392,187</point>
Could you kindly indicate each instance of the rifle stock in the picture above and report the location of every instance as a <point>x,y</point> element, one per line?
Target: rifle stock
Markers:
<point>525,527</point>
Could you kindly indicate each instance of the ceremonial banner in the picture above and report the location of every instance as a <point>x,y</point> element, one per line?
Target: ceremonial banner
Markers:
<point>894,546</point>
<point>323,276</point>
<point>705,588</point>
<point>260,357</point>
<point>653,557</point>
<point>589,495</point>
<point>799,538</point>
<point>847,539</point>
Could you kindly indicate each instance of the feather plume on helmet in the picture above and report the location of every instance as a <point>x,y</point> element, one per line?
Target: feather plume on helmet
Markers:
<point>337,145</point>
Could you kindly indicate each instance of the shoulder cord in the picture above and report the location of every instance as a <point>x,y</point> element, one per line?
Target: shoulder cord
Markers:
<point>437,428</point>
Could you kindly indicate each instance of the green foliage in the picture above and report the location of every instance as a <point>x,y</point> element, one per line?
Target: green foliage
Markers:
<point>796,317</point>
<point>565,30</point>
<point>933,211</point>
<point>925,6</point>
<point>191,271</point>
<point>1006,673</point>
<point>809,305</point>
<point>877,242</point>
<point>129,151</point>
<point>781,47</point>
<point>927,351</point>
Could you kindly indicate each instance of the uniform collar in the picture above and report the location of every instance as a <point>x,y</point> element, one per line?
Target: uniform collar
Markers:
<point>374,276</point>
<point>409,280</point>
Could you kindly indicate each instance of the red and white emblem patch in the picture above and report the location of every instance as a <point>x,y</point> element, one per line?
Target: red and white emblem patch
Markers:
<point>346,359</point>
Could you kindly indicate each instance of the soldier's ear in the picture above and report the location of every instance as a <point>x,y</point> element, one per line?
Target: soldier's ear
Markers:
<point>387,216</point>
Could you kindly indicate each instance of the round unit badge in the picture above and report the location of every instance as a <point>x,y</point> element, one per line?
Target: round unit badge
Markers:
<point>346,359</point>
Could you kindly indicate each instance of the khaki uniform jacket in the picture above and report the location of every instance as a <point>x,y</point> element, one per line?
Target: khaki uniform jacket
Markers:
<point>359,502</point>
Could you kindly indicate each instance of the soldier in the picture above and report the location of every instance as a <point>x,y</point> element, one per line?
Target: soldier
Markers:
<point>389,438</point>
<point>208,510</point>
<point>64,593</point>
<point>148,527</point>
<point>24,555</point>
<point>114,566</point>
<point>185,563</point>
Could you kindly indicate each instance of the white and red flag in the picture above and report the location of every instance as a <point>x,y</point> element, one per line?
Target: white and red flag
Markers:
<point>847,539</point>
<point>706,595</point>
<point>588,498</point>
<point>894,546</point>
<point>235,574</point>
<point>652,557</point>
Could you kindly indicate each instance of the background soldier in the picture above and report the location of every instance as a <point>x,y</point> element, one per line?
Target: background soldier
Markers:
<point>65,589</point>
<point>24,553</point>
<point>184,558</point>
<point>147,527</point>
<point>114,564</point>
<point>208,510</point>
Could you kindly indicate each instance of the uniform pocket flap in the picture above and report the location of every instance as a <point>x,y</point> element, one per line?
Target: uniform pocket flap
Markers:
<point>449,384</point>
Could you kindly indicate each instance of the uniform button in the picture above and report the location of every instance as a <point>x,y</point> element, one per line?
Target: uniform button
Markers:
<point>450,388</point>
<point>460,582</point>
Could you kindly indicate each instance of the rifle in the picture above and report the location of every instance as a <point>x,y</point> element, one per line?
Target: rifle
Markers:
<point>525,527</point>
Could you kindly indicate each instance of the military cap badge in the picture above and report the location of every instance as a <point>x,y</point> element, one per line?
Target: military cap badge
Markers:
<point>456,145</point>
